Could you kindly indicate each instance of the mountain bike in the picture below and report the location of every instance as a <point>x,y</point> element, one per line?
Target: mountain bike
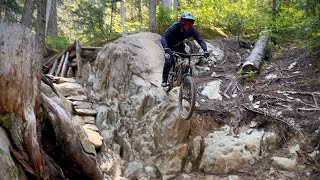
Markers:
<point>180,74</point>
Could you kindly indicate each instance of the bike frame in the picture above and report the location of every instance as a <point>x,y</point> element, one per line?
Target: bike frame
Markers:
<point>180,74</point>
<point>180,65</point>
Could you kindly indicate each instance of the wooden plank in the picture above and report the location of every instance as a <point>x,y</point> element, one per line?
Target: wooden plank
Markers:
<point>78,58</point>
<point>64,67</point>
<point>60,65</point>
<point>53,67</point>
<point>48,62</point>
<point>91,48</point>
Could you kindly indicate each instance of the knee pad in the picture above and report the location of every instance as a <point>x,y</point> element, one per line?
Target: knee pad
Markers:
<point>167,56</point>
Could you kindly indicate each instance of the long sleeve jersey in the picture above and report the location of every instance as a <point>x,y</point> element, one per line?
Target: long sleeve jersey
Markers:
<point>175,35</point>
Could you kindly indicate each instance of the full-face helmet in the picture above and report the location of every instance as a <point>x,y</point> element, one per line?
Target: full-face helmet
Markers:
<point>187,20</point>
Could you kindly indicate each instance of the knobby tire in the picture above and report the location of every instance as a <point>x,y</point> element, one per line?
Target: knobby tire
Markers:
<point>187,97</point>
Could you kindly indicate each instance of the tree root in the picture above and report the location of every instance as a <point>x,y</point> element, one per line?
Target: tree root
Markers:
<point>74,156</point>
<point>273,118</point>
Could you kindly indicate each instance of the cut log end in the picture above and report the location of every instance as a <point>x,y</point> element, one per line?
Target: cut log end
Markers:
<point>249,67</point>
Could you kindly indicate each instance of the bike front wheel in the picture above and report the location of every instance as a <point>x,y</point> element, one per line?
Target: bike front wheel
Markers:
<point>187,97</point>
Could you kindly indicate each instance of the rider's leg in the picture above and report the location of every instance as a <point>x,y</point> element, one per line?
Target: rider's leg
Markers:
<point>166,68</point>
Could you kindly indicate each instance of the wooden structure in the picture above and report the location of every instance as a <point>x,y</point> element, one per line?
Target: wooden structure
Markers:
<point>69,62</point>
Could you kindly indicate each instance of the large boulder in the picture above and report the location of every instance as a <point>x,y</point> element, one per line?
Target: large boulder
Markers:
<point>133,110</point>
<point>225,152</point>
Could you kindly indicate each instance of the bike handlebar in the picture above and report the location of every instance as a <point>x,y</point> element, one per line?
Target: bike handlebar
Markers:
<point>187,55</point>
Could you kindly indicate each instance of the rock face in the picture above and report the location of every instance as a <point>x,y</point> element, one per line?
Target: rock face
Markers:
<point>73,99</point>
<point>133,111</point>
<point>225,153</point>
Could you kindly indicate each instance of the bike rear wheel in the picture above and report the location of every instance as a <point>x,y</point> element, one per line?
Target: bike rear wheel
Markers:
<point>187,97</point>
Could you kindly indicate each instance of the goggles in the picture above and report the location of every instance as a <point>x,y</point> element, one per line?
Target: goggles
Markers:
<point>186,24</point>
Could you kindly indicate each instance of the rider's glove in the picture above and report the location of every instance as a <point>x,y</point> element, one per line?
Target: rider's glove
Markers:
<point>206,54</point>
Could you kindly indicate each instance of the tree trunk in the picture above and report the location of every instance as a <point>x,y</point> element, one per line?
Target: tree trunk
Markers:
<point>27,12</point>
<point>140,11</point>
<point>122,11</point>
<point>51,18</point>
<point>20,98</point>
<point>152,15</point>
<point>40,25</point>
<point>253,61</point>
<point>274,7</point>
<point>20,75</point>
<point>176,7</point>
<point>167,4</point>
<point>113,11</point>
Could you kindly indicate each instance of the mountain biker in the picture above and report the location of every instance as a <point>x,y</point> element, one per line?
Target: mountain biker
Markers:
<point>172,39</point>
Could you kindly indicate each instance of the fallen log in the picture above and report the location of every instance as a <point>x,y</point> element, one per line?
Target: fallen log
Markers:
<point>253,61</point>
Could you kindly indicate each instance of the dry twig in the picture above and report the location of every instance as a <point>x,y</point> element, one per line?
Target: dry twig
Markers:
<point>226,91</point>
<point>273,117</point>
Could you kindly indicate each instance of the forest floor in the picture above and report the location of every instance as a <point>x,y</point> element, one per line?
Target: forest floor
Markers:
<point>285,93</point>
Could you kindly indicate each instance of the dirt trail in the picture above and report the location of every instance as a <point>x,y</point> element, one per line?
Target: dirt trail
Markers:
<point>286,91</point>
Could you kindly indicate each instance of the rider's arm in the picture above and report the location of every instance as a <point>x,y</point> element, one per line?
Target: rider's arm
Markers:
<point>168,35</point>
<point>199,40</point>
<point>165,37</point>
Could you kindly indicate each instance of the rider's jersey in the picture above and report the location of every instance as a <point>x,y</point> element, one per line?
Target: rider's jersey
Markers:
<point>175,35</point>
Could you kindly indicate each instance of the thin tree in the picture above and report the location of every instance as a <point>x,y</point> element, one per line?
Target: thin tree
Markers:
<point>139,5</point>
<point>113,11</point>
<point>167,4</point>
<point>122,12</point>
<point>152,15</point>
<point>51,18</point>
<point>26,18</point>
<point>40,25</point>
<point>176,7</point>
